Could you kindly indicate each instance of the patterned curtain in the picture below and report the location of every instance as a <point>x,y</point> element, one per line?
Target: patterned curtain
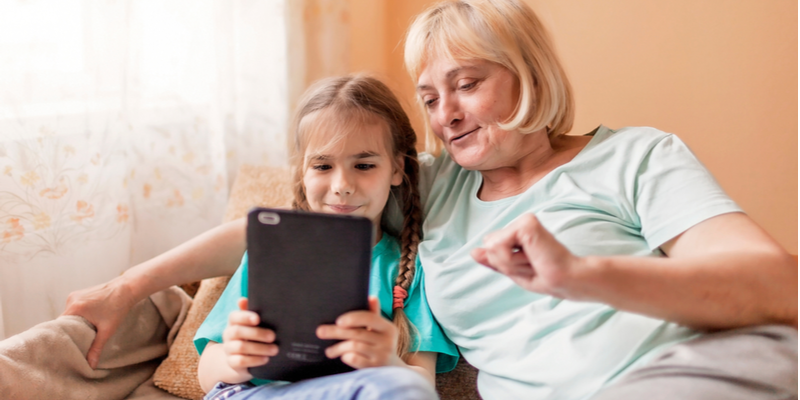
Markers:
<point>122,123</point>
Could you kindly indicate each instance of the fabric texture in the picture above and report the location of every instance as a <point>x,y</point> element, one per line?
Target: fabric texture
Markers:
<point>625,193</point>
<point>389,383</point>
<point>383,271</point>
<point>254,186</point>
<point>48,361</point>
<point>739,364</point>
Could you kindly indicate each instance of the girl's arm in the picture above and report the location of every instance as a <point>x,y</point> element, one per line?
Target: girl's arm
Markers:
<point>244,345</point>
<point>724,272</point>
<point>213,253</point>
<point>369,340</point>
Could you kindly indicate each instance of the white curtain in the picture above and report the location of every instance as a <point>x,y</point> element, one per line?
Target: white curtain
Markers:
<point>122,123</point>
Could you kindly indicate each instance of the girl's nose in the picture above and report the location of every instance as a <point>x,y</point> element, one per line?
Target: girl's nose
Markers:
<point>342,184</point>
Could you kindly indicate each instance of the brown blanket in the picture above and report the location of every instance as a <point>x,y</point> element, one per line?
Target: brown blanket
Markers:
<point>48,361</point>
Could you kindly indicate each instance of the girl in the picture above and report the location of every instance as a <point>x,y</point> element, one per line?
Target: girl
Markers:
<point>354,147</point>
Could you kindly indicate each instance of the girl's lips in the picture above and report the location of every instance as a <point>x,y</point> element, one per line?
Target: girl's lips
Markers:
<point>343,209</point>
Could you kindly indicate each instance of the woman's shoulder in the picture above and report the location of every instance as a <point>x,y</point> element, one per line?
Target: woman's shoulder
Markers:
<point>628,140</point>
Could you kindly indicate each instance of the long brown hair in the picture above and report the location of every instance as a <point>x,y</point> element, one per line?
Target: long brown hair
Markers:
<point>358,99</point>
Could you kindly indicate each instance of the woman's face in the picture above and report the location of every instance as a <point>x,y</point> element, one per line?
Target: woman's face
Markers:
<point>465,101</point>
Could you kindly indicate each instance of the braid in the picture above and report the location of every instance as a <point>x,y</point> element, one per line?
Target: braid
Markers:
<point>410,236</point>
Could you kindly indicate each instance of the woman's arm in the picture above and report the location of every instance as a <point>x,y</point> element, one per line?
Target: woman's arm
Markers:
<point>213,253</point>
<point>724,272</point>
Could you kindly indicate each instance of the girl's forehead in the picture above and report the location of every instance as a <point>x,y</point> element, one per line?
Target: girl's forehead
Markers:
<point>332,135</point>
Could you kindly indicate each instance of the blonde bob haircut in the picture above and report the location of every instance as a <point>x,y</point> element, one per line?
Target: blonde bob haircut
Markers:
<point>505,32</point>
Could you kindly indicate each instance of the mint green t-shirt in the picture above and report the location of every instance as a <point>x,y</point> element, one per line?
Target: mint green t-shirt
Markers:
<point>626,193</point>
<point>385,259</point>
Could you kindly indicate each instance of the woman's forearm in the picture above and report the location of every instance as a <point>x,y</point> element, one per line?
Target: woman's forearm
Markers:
<point>716,291</point>
<point>213,253</point>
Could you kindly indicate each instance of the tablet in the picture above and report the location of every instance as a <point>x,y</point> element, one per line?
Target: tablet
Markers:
<point>305,269</point>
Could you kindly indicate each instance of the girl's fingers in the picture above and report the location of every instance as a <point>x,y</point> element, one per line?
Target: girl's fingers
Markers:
<point>246,348</point>
<point>240,361</point>
<point>364,319</point>
<point>248,318</point>
<point>335,332</point>
<point>242,303</point>
<point>367,350</point>
<point>242,332</point>
<point>357,361</point>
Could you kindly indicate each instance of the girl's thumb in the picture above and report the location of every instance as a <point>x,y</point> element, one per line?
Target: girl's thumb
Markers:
<point>374,305</point>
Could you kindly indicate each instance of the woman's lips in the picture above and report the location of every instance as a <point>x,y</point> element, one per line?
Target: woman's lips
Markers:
<point>457,138</point>
<point>343,209</point>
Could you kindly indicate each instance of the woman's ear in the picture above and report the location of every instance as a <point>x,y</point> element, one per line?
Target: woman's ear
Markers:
<point>397,176</point>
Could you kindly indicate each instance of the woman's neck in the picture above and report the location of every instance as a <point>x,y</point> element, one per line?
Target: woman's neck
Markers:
<point>539,156</point>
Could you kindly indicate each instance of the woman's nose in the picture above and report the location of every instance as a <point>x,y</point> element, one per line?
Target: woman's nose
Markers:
<point>449,111</point>
<point>342,184</point>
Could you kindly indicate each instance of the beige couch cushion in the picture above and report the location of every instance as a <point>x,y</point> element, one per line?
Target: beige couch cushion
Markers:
<point>254,186</point>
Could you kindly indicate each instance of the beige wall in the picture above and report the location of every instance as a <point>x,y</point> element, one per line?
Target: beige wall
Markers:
<point>720,74</point>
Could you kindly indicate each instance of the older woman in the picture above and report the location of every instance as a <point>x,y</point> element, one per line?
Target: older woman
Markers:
<point>562,266</point>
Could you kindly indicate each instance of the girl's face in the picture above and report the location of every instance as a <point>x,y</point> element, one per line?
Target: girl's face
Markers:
<point>352,176</point>
<point>465,101</point>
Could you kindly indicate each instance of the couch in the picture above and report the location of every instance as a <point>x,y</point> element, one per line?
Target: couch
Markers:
<point>48,360</point>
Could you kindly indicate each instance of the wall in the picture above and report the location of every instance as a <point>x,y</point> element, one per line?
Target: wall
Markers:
<point>720,74</point>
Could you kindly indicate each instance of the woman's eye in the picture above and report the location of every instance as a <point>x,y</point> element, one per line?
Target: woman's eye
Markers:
<point>429,102</point>
<point>467,86</point>
<point>365,167</point>
<point>321,167</point>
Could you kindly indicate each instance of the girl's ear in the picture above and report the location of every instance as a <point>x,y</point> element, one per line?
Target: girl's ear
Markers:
<point>397,176</point>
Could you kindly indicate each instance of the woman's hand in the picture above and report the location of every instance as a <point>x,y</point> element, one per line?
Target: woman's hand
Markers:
<point>245,344</point>
<point>368,339</point>
<point>528,254</point>
<point>104,306</point>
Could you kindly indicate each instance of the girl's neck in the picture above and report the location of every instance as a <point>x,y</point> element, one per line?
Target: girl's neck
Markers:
<point>541,155</point>
<point>377,234</point>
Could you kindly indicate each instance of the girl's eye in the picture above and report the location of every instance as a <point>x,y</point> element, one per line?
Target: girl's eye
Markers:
<point>321,167</point>
<point>365,167</point>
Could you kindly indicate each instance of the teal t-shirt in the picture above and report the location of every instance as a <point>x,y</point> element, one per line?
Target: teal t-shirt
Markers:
<point>385,259</point>
<point>626,193</point>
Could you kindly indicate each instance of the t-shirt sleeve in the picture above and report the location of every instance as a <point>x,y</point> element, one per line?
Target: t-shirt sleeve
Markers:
<point>428,335</point>
<point>216,320</point>
<point>674,192</point>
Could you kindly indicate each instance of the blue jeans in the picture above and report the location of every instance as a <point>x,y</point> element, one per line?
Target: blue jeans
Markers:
<point>394,383</point>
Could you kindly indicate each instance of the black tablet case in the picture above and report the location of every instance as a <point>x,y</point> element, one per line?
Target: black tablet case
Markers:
<point>305,269</point>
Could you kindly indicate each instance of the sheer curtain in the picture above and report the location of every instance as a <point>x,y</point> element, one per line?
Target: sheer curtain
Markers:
<point>122,124</point>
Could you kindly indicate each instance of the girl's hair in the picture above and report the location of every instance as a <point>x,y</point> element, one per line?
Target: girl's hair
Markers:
<point>357,100</point>
<point>505,32</point>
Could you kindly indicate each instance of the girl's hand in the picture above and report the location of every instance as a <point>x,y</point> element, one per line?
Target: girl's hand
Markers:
<point>368,339</point>
<point>245,344</point>
<point>528,254</point>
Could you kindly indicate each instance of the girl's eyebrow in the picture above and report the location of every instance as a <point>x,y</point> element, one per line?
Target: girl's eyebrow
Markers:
<point>365,154</point>
<point>325,157</point>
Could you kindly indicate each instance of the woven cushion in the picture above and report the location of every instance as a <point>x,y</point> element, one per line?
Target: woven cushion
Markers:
<point>254,186</point>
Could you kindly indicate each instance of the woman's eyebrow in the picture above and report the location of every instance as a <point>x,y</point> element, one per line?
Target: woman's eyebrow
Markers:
<point>449,75</point>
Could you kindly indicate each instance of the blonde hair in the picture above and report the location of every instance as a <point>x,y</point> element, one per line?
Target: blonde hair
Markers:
<point>357,100</point>
<point>505,32</point>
